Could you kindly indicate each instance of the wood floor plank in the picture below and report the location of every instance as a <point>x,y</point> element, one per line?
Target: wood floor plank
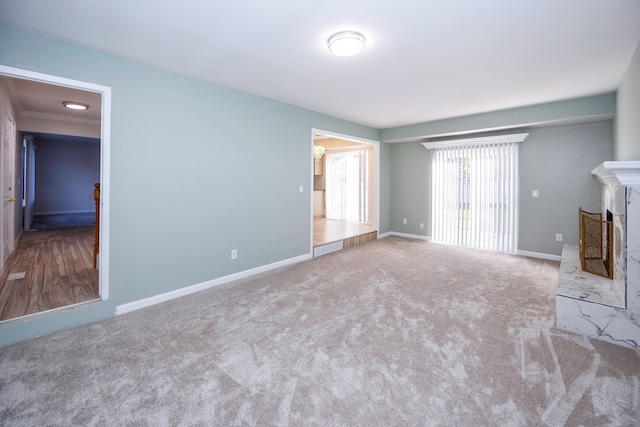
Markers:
<point>35,288</point>
<point>59,271</point>
<point>62,287</point>
<point>41,297</point>
<point>331,230</point>
<point>19,300</point>
<point>47,286</point>
<point>5,294</point>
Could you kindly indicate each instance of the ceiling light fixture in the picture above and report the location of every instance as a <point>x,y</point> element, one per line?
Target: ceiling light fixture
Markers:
<point>75,105</point>
<point>318,151</point>
<point>346,43</point>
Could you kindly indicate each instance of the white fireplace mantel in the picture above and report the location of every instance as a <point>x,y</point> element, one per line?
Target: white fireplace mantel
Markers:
<point>618,173</point>
<point>609,309</point>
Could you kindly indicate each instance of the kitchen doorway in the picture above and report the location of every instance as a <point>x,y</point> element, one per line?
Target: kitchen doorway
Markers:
<point>345,182</point>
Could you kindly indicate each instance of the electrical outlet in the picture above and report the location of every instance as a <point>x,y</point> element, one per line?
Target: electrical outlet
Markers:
<point>421,226</point>
<point>234,253</point>
<point>404,220</point>
<point>558,237</point>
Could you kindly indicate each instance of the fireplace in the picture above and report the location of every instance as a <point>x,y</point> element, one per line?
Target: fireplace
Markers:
<point>596,243</point>
<point>605,308</point>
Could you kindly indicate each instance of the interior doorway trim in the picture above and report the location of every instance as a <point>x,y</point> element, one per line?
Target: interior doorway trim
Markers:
<point>105,158</point>
<point>376,175</point>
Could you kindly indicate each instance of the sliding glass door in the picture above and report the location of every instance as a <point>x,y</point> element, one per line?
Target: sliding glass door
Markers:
<point>347,178</point>
<point>474,194</point>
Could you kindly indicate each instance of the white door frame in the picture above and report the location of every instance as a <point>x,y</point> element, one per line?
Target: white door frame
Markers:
<point>105,158</point>
<point>376,174</point>
<point>8,178</point>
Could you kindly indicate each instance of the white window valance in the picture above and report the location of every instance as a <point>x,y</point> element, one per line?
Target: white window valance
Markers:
<point>483,140</point>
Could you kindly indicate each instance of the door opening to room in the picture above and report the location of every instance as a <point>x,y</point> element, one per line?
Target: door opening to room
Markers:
<point>344,181</point>
<point>59,157</point>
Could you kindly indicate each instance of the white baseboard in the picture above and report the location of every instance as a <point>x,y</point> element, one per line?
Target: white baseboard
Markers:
<point>64,212</point>
<point>539,255</point>
<point>157,299</point>
<point>522,253</point>
<point>409,236</point>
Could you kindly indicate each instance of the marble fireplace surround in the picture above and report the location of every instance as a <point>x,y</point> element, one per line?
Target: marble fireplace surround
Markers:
<point>598,307</point>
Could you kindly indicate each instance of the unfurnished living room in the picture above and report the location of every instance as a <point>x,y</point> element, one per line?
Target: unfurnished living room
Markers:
<point>336,213</point>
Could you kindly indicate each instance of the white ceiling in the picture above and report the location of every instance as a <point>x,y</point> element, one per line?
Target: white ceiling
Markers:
<point>424,60</point>
<point>42,100</point>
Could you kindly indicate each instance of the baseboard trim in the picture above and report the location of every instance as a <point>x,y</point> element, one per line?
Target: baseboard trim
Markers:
<point>539,255</point>
<point>519,252</point>
<point>157,299</point>
<point>63,212</point>
<point>409,236</point>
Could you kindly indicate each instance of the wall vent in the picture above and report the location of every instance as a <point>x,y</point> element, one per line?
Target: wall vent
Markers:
<point>329,247</point>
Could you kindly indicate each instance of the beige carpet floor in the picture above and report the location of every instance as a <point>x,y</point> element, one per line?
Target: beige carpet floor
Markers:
<point>395,332</point>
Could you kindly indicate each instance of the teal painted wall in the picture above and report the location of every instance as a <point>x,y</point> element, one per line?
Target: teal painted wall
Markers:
<point>196,171</point>
<point>555,160</point>
<point>592,108</point>
<point>410,188</point>
<point>626,144</point>
<point>385,188</point>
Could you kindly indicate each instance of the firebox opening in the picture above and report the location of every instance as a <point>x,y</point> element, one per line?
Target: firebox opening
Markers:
<point>596,243</point>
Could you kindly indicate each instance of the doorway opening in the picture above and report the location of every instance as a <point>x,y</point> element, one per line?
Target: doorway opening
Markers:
<point>62,248</point>
<point>345,186</point>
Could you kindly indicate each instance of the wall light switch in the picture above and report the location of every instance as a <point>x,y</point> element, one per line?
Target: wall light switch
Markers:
<point>534,193</point>
<point>302,189</point>
<point>404,220</point>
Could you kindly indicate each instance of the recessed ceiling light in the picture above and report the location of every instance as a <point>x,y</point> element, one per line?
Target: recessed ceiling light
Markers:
<point>346,43</point>
<point>75,105</point>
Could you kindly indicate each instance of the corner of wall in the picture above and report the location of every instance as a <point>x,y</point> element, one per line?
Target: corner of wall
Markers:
<point>626,127</point>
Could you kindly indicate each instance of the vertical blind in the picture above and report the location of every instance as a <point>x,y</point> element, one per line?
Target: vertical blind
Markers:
<point>347,175</point>
<point>474,195</point>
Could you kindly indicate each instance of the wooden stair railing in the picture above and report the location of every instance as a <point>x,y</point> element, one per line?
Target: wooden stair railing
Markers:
<point>96,243</point>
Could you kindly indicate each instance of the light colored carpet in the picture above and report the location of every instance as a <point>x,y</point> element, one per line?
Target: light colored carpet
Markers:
<point>395,332</point>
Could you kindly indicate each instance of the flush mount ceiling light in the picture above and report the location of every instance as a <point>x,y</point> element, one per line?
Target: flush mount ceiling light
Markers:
<point>346,43</point>
<point>75,105</point>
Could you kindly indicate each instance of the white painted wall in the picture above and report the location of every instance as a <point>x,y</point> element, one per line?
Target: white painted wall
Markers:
<point>626,143</point>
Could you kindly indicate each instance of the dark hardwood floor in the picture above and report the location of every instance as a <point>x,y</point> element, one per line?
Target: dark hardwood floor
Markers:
<point>57,264</point>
